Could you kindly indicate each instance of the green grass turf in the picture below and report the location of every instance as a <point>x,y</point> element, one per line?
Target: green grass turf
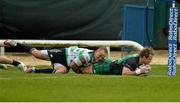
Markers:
<point>158,87</point>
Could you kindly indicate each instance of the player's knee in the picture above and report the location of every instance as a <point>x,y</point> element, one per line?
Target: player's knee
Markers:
<point>61,71</point>
<point>36,53</point>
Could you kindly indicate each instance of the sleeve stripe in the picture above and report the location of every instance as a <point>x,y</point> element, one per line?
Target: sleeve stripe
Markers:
<point>78,62</point>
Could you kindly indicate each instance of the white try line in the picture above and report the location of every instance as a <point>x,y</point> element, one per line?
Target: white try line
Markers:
<point>18,78</point>
<point>75,76</point>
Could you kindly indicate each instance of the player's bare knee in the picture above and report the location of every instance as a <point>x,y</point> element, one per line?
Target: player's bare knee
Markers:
<point>36,53</point>
<point>61,70</point>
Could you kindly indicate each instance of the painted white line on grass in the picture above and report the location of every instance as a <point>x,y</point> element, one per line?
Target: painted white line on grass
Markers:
<point>158,76</point>
<point>12,78</point>
<point>115,76</point>
<point>74,76</point>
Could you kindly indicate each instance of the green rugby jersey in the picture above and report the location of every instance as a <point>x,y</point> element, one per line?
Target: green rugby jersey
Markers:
<point>123,60</point>
<point>130,61</point>
<point>102,67</point>
<point>79,56</point>
<point>115,67</point>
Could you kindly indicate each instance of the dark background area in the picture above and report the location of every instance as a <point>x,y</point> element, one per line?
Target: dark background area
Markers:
<point>63,19</point>
<point>79,20</point>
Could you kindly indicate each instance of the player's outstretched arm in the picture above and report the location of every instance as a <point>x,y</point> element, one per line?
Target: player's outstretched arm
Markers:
<point>144,69</point>
<point>127,71</point>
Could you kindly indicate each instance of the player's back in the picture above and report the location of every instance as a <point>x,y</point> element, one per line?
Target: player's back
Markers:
<point>73,53</point>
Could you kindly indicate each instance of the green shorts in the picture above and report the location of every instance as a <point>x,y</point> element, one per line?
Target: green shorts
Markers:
<point>102,67</point>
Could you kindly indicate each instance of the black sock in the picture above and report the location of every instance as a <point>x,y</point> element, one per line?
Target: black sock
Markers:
<point>24,47</point>
<point>48,70</point>
<point>15,63</point>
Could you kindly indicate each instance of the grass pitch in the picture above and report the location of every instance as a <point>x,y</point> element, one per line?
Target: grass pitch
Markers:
<point>158,87</point>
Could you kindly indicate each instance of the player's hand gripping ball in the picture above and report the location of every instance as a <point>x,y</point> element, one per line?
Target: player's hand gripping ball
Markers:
<point>145,69</point>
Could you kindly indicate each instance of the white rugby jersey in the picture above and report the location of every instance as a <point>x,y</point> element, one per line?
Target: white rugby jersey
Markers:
<point>79,56</point>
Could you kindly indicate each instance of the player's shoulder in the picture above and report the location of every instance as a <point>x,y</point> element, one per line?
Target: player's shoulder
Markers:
<point>107,60</point>
<point>133,55</point>
<point>72,47</point>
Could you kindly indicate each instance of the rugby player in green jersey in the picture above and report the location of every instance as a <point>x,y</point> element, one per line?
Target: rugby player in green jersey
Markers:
<point>135,64</point>
<point>62,59</point>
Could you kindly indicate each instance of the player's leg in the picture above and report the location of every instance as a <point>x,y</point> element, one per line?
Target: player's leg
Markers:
<point>58,59</point>
<point>14,44</point>
<point>39,70</point>
<point>3,66</point>
<point>60,69</point>
<point>41,54</point>
<point>5,60</point>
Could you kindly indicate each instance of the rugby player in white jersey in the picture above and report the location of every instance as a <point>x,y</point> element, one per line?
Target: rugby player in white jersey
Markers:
<point>62,59</point>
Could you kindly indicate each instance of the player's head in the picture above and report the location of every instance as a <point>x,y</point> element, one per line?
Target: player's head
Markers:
<point>100,54</point>
<point>146,55</point>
